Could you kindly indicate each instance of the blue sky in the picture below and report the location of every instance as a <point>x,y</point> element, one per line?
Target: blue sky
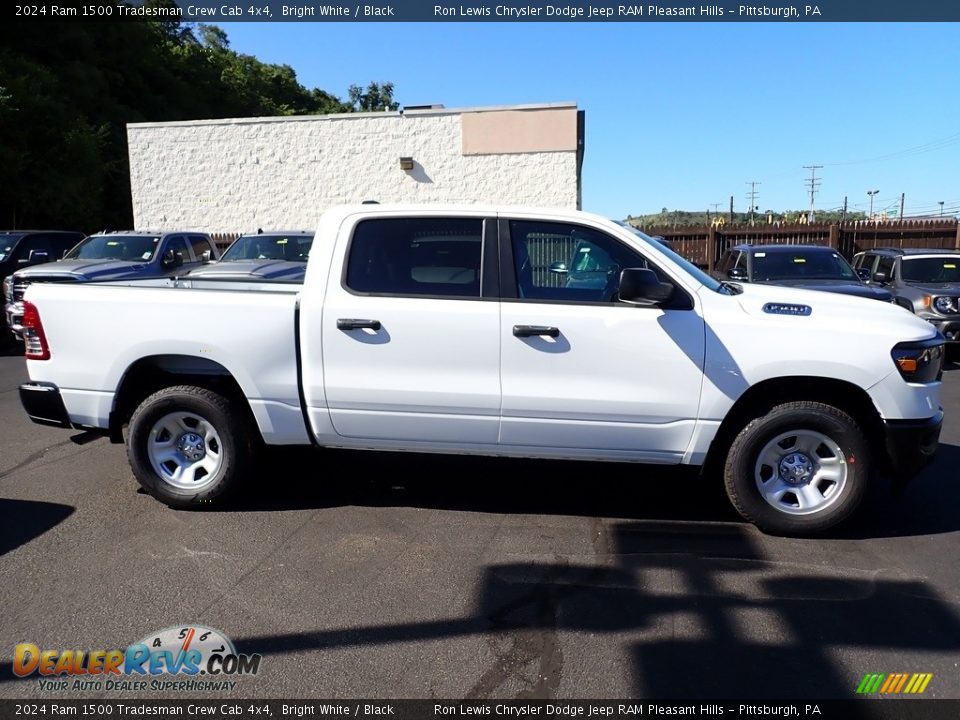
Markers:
<point>682,115</point>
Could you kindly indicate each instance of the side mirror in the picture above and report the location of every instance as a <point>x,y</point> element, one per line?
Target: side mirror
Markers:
<point>39,256</point>
<point>171,259</point>
<point>880,277</point>
<point>864,274</point>
<point>737,273</point>
<point>639,286</point>
<point>560,268</point>
<point>205,257</point>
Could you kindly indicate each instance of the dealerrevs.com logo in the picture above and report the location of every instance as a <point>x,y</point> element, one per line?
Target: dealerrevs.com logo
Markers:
<point>184,658</point>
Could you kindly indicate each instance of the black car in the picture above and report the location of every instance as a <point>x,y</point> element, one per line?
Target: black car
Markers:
<point>808,267</point>
<point>277,256</point>
<point>924,281</point>
<point>24,248</point>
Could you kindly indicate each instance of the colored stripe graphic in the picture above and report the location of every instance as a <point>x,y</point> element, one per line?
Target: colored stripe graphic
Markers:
<point>870,683</point>
<point>894,683</point>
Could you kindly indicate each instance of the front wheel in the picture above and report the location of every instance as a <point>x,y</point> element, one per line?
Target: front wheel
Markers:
<point>800,469</point>
<point>188,446</point>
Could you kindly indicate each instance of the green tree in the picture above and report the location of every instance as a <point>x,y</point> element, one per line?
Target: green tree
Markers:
<point>67,91</point>
<point>378,97</point>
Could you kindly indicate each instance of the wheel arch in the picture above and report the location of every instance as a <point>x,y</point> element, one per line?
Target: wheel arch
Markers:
<point>150,374</point>
<point>758,399</point>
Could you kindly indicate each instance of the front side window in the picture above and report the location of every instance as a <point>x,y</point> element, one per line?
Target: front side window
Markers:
<point>416,256</point>
<point>556,261</point>
<point>885,266</point>
<point>179,246</point>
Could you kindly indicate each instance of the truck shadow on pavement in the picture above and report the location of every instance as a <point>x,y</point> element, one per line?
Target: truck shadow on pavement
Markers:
<point>928,504</point>
<point>23,520</point>
<point>698,610</point>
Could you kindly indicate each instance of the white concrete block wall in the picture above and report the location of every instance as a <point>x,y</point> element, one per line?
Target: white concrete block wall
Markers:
<point>239,175</point>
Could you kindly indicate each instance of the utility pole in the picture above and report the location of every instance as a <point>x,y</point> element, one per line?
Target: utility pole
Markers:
<point>902,195</point>
<point>716,207</point>
<point>731,208</point>
<point>871,193</point>
<point>940,202</point>
<point>813,186</point>
<point>752,197</point>
<point>844,216</point>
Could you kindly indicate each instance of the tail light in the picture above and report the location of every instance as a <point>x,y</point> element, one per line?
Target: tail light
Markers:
<point>34,339</point>
<point>920,362</point>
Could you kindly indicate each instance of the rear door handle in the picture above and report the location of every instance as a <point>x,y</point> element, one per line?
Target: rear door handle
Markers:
<point>357,324</point>
<point>535,331</point>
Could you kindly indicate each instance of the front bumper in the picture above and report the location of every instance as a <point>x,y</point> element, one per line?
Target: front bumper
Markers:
<point>44,405</point>
<point>14,315</point>
<point>911,444</point>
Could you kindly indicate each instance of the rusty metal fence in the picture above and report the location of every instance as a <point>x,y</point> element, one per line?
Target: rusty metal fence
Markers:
<point>704,245</point>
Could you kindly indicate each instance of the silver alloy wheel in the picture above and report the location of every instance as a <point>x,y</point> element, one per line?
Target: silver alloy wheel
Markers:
<point>185,450</point>
<point>801,472</point>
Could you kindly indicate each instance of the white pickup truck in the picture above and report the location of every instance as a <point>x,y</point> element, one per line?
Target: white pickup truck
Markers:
<point>496,331</point>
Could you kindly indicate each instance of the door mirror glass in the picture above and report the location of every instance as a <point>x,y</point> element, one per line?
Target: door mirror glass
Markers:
<point>737,273</point>
<point>560,268</point>
<point>640,286</point>
<point>205,257</point>
<point>864,274</point>
<point>880,277</point>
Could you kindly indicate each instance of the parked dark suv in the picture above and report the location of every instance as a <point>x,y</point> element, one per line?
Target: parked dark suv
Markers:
<point>122,255</point>
<point>809,267</point>
<point>924,281</point>
<point>21,249</point>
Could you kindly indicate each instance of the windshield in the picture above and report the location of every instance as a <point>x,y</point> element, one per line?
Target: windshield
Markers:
<point>125,248</point>
<point>697,273</point>
<point>940,269</point>
<point>801,264</point>
<point>8,241</point>
<point>269,247</point>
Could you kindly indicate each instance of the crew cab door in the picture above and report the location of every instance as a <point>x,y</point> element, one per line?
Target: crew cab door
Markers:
<point>580,371</point>
<point>410,331</point>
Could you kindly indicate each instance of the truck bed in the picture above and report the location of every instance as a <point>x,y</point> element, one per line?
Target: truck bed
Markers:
<point>245,328</point>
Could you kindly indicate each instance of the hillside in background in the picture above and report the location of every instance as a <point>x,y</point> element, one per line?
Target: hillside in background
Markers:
<point>67,91</point>
<point>681,218</point>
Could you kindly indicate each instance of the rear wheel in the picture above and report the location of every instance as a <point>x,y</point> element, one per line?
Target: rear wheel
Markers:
<point>799,469</point>
<point>188,446</point>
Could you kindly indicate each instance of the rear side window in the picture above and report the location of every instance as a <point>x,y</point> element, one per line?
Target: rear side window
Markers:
<point>416,256</point>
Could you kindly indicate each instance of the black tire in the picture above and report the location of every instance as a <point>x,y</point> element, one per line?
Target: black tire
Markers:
<point>741,468</point>
<point>235,446</point>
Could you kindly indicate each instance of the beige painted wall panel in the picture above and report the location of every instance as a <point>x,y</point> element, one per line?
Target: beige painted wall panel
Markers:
<point>519,131</point>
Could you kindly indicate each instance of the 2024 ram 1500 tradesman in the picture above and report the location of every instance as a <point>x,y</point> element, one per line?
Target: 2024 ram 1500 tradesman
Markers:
<point>519,332</point>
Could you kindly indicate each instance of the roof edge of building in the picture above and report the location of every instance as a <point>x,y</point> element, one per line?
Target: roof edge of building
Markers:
<point>419,112</point>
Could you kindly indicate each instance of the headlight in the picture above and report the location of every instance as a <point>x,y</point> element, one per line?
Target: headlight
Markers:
<point>946,305</point>
<point>920,362</point>
<point>8,288</point>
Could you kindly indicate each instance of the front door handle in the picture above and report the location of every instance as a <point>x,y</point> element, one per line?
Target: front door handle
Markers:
<point>357,324</point>
<point>535,331</point>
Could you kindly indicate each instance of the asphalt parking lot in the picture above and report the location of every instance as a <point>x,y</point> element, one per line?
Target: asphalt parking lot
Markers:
<point>479,579</point>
